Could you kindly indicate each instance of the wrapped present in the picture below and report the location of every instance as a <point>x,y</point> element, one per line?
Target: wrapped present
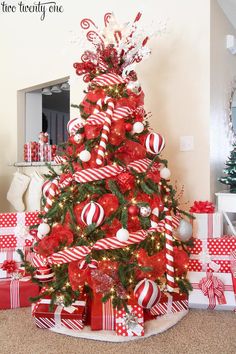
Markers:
<point>15,293</point>
<point>31,151</point>
<point>129,323</point>
<point>14,229</point>
<point>207,222</point>
<point>10,261</point>
<point>208,225</point>
<point>211,291</point>
<point>102,314</point>
<point>71,317</point>
<point>212,255</point>
<point>170,303</point>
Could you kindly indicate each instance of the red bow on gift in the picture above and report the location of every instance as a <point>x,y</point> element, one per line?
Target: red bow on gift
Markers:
<point>202,207</point>
<point>9,265</point>
<point>213,288</point>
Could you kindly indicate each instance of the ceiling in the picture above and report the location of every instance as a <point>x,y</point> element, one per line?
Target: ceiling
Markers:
<point>229,8</point>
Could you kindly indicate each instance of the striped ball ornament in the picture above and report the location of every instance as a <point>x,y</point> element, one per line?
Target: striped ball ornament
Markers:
<point>147,293</point>
<point>44,274</point>
<point>92,213</point>
<point>73,125</point>
<point>154,143</point>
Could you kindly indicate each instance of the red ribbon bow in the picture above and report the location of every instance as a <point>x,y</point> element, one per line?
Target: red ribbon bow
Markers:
<point>9,265</point>
<point>213,288</point>
<point>202,207</point>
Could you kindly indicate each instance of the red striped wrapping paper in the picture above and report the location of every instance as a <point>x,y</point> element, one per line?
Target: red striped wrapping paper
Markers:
<point>71,317</point>
<point>212,255</point>
<point>15,293</point>
<point>170,304</point>
<point>102,314</point>
<point>207,225</point>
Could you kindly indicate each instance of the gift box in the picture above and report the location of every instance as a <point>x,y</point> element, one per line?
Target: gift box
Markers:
<point>31,151</point>
<point>129,323</point>
<point>212,255</point>
<point>102,314</point>
<point>15,293</point>
<point>71,317</point>
<point>14,229</point>
<point>9,259</point>
<point>207,225</point>
<point>170,303</point>
<point>211,291</point>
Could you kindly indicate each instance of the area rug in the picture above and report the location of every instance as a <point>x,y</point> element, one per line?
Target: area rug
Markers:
<point>152,327</point>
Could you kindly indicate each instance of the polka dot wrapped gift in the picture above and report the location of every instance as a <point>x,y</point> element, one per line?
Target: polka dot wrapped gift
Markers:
<point>129,323</point>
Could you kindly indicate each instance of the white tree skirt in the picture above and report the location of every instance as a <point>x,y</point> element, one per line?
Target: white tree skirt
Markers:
<point>159,325</point>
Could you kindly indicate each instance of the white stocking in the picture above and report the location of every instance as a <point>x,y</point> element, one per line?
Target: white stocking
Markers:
<point>34,193</point>
<point>17,189</point>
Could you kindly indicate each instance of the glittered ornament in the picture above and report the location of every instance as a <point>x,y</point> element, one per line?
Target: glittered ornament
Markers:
<point>43,229</point>
<point>154,143</point>
<point>147,293</point>
<point>165,173</point>
<point>128,127</point>
<point>125,181</point>
<point>85,155</point>
<point>184,231</point>
<point>145,211</point>
<point>133,210</point>
<point>44,274</point>
<point>138,128</point>
<point>122,235</point>
<point>92,213</point>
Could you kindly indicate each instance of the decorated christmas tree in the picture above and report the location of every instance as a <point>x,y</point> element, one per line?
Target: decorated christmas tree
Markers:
<point>230,171</point>
<point>108,220</point>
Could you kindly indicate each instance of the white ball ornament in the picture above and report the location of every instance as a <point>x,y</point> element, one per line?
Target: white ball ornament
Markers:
<point>147,293</point>
<point>39,236</point>
<point>145,211</point>
<point>85,155</point>
<point>138,127</point>
<point>122,235</point>
<point>43,229</point>
<point>184,231</point>
<point>78,138</point>
<point>165,173</point>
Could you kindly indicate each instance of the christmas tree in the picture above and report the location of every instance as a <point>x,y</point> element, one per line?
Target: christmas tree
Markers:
<point>108,216</point>
<point>230,171</point>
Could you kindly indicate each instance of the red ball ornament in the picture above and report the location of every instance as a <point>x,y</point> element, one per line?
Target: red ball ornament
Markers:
<point>128,127</point>
<point>44,274</point>
<point>147,293</point>
<point>133,210</point>
<point>109,202</point>
<point>154,143</point>
<point>92,213</point>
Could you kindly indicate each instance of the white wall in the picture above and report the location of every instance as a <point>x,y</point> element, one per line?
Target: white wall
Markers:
<point>175,78</point>
<point>223,70</point>
<point>33,121</point>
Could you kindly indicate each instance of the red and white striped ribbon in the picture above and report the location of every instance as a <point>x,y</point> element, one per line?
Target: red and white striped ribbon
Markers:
<point>60,160</point>
<point>15,294</point>
<point>99,117</point>
<point>169,254</point>
<point>94,174</point>
<point>108,79</point>
<point>105,131</point>
<point>53,191</point>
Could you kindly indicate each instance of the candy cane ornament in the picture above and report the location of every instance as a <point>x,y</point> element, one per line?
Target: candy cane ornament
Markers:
<point>105,131</point>
<point>52,192</point>
<point>169,253</point>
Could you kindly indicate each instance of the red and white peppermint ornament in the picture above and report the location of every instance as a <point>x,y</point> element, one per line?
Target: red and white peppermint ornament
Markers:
<point>44,274</point>
<point>154,143</point>
<point>147,293</point>
<point>73,125</point>
<point>92,265</point>
<point>92,213</point>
